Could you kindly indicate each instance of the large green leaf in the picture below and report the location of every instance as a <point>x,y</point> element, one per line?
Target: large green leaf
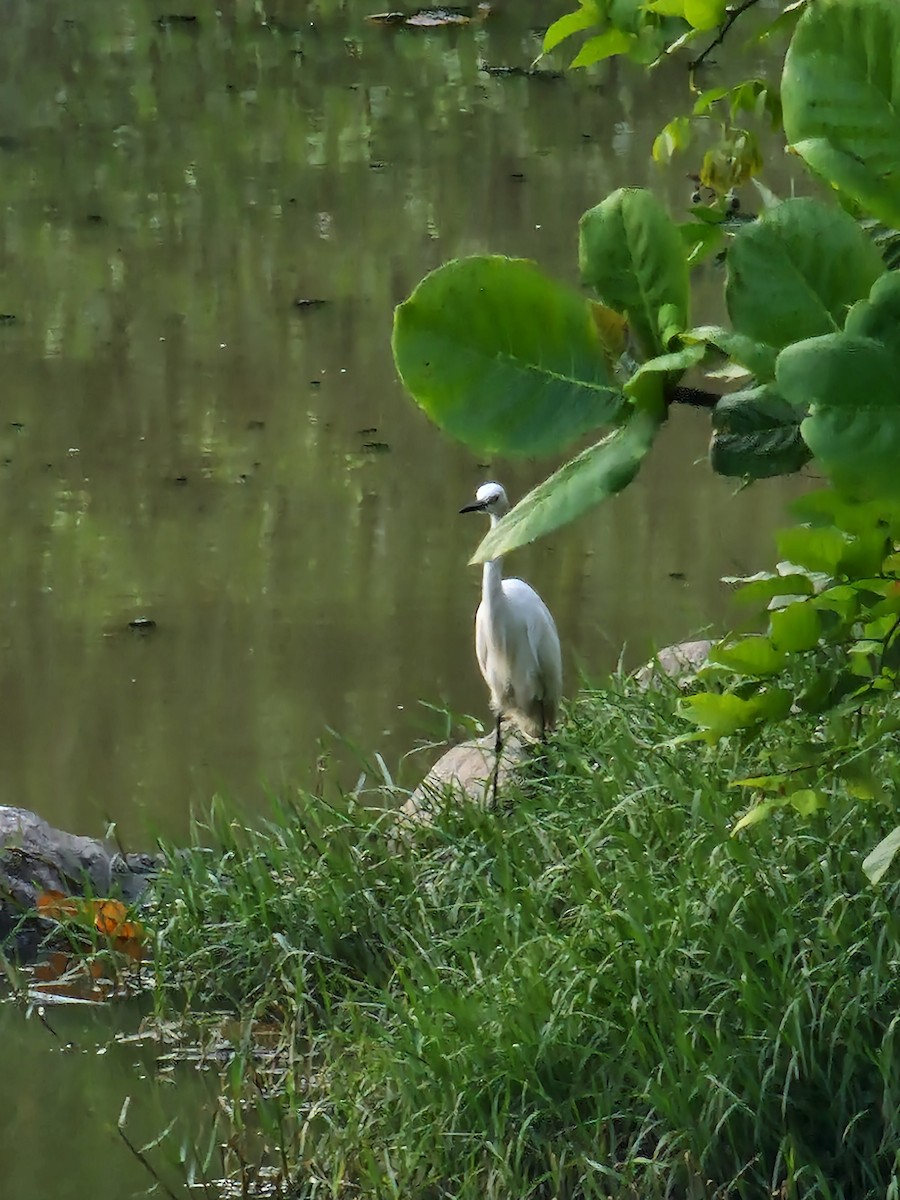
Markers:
<point>724,714</point>
<point>604,45</point>
<point>794,273</point>
<point>853,427</point>
<point>704,14</point>
<point>752,655</point>
<point>841,98</point>
<point>585,16</point>
<point>592,476</point>
<point>878,317</point>
<point>631,253</point>
<point>503,358</point>
<point>756,433</point>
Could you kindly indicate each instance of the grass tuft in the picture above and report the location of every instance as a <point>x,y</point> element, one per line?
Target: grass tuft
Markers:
<point>592,992</point>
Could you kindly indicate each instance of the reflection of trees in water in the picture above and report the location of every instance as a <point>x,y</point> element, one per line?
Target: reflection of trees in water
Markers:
<point>196,448</point>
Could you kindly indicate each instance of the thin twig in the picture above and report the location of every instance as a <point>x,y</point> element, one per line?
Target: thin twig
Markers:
<point>722,34</point>
<point>139,1155</point>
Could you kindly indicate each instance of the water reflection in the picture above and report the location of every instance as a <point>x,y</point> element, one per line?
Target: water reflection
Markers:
<point>183,441</point>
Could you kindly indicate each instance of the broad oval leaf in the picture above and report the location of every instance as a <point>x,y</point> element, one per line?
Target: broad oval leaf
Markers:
<point>604,45</point>
<point>841,98</point>
<point>853,427</point>
<point>795,272</point>
<point>817,549</point>
<point>503,358</point>
<point>753,655</point>
<point>704,14</point>
<point>795,628</point>
<point>584,17</point>
<point>631,253</point>
<point>592,476</point>
<point>756,434</point>
<point>724,714</point>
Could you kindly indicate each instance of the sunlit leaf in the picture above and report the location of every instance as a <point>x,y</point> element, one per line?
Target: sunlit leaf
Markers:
<point>877,861</point>
<point>806,801</point>
<point>795,628</point>
<point>758,813</point>
<point>754,655</point>
<point>667,8</point>
<point>604,45</point>
<point>592,476</point>
<point>819,549</point>
<point>766,587</point>
<point>723,714</point>
<point>704,14</point>
<point>584,17</point>
<point>503,358</point>
<point>674,136</point>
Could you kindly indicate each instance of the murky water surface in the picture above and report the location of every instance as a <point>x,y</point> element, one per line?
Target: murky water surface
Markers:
<point>227,530</point>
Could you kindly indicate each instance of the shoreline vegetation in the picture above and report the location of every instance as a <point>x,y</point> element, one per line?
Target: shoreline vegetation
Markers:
<point>591,990</point>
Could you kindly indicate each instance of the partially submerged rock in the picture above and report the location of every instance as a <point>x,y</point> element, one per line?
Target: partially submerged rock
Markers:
<point>35,858</point>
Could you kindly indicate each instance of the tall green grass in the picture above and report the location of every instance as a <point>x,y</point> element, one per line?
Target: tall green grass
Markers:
<point>593,991</point>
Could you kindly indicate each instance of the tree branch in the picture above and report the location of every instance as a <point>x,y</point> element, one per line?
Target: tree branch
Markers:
<point>723,32</point>
<point>693,397</point>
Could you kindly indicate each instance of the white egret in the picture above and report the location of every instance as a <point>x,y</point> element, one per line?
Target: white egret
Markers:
<point>515,640</point>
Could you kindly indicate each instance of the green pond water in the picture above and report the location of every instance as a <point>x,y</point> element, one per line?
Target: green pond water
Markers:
<point>181,442</point>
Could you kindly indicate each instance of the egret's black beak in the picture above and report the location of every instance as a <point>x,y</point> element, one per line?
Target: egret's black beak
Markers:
<point>478,506</point>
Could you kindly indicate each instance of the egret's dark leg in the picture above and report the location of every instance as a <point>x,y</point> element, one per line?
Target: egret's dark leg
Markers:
<point>498,745</point>
<point>543,722</point>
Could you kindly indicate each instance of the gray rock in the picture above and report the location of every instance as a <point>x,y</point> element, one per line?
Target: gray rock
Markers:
<point>36,858</point>
<point>466,773</point>
<point>680,662</point>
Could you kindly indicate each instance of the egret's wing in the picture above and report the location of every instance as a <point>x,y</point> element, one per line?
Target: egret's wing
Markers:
<point>533,617</point>
<point>481,643</point>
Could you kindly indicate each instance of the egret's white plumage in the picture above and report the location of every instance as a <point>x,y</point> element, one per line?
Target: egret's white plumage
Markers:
<point>515,638</point>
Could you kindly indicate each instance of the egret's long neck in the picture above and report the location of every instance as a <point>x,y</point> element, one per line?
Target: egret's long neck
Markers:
<point>492,577</point>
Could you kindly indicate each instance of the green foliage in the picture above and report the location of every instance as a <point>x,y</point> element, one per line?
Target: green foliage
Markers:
<point>632,255</point>
<point>756,433</point>
<point>813,298</point>
<point>598,472</point>
<point>841,96</point>
<point>849,381</point>
<point>510,362</point>
<point>503,358</point>
<point>794,273</point>
<point>529,1003</point>
<point>831,653</point>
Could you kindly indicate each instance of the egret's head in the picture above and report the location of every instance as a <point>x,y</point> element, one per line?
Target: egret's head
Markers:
<point>491,499</point>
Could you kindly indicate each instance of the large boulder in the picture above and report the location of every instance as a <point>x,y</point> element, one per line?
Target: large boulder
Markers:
<point>36,858</point>
<point>466,772</point>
